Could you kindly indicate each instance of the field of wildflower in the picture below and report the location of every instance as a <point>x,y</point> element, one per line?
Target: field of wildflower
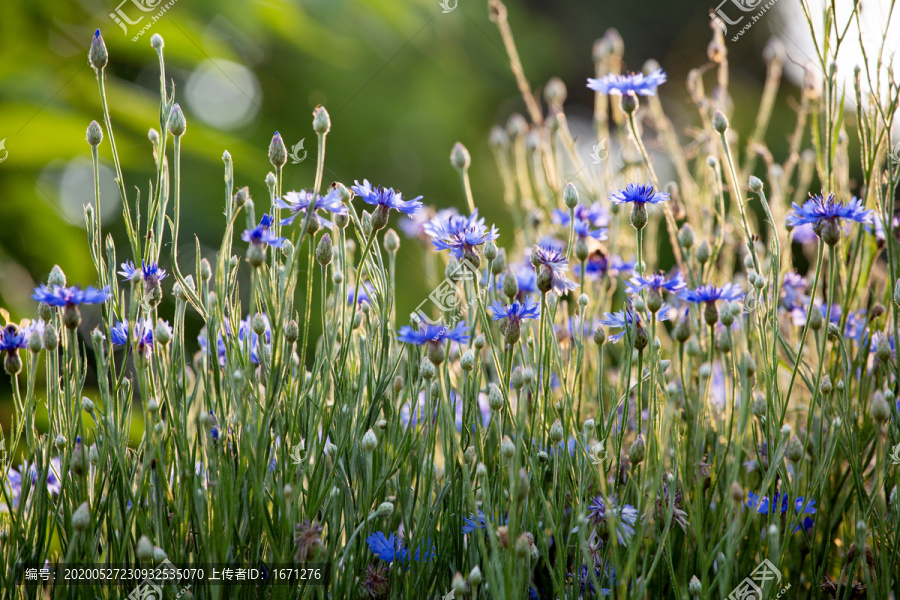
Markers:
<point>650,388</point>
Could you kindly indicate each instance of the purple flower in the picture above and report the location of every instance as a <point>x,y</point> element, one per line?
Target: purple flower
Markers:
<point>387,197</point>
<point>62,296</point>
<point>14,480</point>
<point>262,235</point>
<point>633,83</point>
<point>152,274</point>
<point>458,234</point>
<point>298,203</point>
<point>638,193</point>
<point>433,333</point>
<point>553,262</point>
<point>780,504</point>
<point>364,292</point>
<point>415,226</point>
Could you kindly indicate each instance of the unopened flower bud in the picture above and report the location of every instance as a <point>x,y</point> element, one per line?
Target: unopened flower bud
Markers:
<point>98,56</point>
<point>177,123</point>
<point>321,120</point>
<point>459,157</point>
<point>81,518</point>
<point>94,134</point>
<point>720,122</point>
<point>325,250</point>
<point>277,151</point>
<point>391,241</point>
<point>637,450</point>
<point>570,196</point>
<point>369,441</point>
<point>507,448</point>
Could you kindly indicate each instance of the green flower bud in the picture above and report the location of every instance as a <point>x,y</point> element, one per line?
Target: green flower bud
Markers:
<point>570,196</point>
<point>369,441</point>
<point>695,587</point>
<point>205,270</point>
<point>880,410</point>
<point>507,448</point>
<point>277,151</point>
<point>291,331</point>
<point>556,432</point>
<point>156,42</point>
<point>144,549</point>
<point>467,362</point>
<point>177,123</point>
<point>629,103</point>
<point>686,236</point>
<point>459,157</point>
<point>391,241</point>
<point>321,120</point>
<point>756,185</point>
<point>94,134</point>
<point>81,518</point>
<point>490,250</point>
<point>426,369</point>
<point>639,216</point>
<point>637,450</point>
<point>475,577</point>
<point>703,252</point>
<point>325,250</point>
<point>720,122</point>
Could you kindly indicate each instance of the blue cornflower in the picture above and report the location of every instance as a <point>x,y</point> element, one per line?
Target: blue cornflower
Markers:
<point>299,202</point>
<point>389,549</point>
<point>473,522</point>
<point>386,199</point>
<point>365,290</point>
<point>638,193</point>
<point>13,338</point>
<point>825,216</point>
<point>711,293</point>
<point>220,346</point>
<point>599,264</point>
<point>633,83</point>
<point>59,295</point>
<point>143,334</point>
<point>603,576</point>
<point>625,516</point>
<point>262,235</point>
<point>514,313</point>
<point>152,274</point>
<point>590,221</point>
<point>433,333</point>
<point>529,309</point>
<point>460,235</point>
<point>551,267</point>
<point>656,283</point>
<point>780,504</point>
<point>416,225</point>
<point>14,479</point>
<point>624,318</point>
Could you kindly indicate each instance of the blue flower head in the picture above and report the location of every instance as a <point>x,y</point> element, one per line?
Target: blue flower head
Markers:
<point>262,235</point>
<point>638,193</point>
<point>551,267</point>
<point>390,549</point>
<point>599,265</point>
<point>590,221</point>
<point>633,83</point>
<point>529,309</point>
<point>825,215</point>
<point>708,293</point>
<point>625,516</point>
<point>656,283</point>
<point>458,234</point>
<point>433,333</point>
<point>143,335</point>
<point>152,274</point>
<point>12,338</point>
<point>386,197</point>
<point>62,296</point>
<point>298,203</point>
<point>624,319</point>
<point>780,504</point>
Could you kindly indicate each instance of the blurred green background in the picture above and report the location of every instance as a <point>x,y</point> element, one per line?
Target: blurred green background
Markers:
<point>401,79</point>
